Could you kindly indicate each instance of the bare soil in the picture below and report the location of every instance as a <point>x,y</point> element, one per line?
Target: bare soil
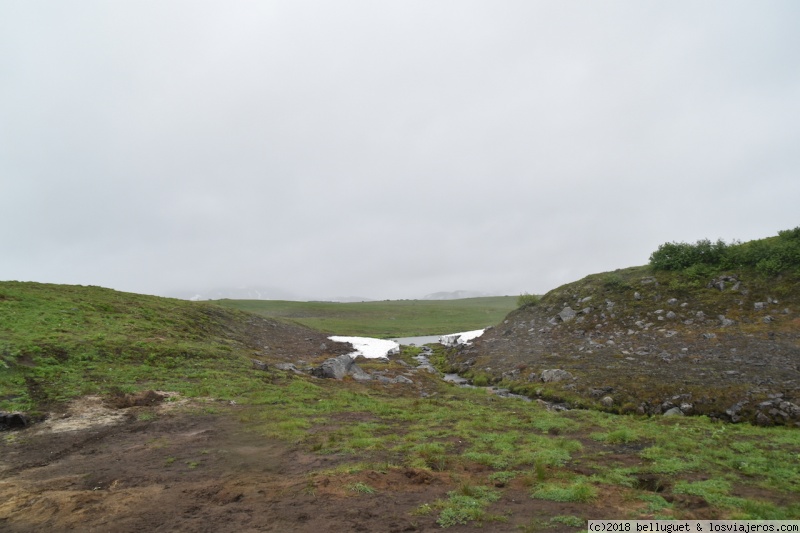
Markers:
<point>173,467</point>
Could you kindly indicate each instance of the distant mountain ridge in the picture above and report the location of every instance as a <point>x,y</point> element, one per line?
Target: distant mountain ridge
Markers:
<point>236,293</point>
<point>455,295</point>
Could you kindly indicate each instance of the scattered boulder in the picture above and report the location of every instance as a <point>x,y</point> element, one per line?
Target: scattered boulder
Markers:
<point>763,420</point>
<point>567,314</point>
<point>673,411</point>
<point>288,367</point>
<point>259,365</point>
<point>334,368</point>
<point>555,375</point>
<point>358,373</point>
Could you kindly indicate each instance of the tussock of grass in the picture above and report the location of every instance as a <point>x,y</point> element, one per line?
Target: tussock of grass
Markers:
<point>578,491</point>
<point>467,504</point>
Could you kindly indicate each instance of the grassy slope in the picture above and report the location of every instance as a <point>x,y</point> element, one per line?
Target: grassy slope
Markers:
<point>396,318</point>
<point>59,341</point>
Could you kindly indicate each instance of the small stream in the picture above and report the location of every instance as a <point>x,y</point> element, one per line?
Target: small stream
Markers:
<point>380,348</point>
<point>425,364</point>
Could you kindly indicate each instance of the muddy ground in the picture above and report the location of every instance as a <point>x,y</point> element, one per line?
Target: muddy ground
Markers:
<point>174,467</point>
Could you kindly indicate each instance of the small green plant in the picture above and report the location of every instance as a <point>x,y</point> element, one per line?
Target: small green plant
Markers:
<point>361,488</point>
<point>465,505</point>
<point>568,520</point>
<point>502,477</point>
<point>169,460</point>
<point>618,436</point>
<point>655,503</point>
<point>578,491</point>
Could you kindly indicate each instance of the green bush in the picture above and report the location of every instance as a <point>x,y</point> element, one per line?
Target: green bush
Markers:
<point>770,256</point>
<point>528,300</point>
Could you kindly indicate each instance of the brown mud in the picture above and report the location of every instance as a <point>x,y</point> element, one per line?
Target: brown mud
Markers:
<point>176,467</point>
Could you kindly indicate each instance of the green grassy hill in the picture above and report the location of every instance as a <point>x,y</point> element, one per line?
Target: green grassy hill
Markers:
<point>61,341</point>
<point>386,319</point>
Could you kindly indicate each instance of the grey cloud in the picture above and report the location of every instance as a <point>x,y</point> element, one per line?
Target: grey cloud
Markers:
<point>387,150</point>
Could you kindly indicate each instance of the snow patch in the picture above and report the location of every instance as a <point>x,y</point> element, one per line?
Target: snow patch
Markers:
<point>368,347</point>
<point>376,348</point>
<point>460,338</point>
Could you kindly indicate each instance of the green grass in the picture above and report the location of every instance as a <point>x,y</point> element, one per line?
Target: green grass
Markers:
<point>386,319</point>
<point>361,488</point>
<point>58,342</point>
<point>467,504</point>
<point>578,491</point>
<point>52,338</point>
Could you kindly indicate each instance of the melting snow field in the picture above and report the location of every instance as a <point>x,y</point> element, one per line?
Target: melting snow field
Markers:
<point>368,347</point>
<point>375,348</point>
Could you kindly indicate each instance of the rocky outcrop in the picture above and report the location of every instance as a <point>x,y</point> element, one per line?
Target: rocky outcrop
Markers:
<point>652,339</point>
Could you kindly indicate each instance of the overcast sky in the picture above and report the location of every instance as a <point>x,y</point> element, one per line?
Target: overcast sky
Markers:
<point>387,149</point>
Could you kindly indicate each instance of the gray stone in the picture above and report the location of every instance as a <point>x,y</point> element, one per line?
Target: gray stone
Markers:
<point>555,375</point>
<point>567,314</point>
<point>403,379</point>
<point>607,401</point>
<point>334,368</point>
<point>673,411</point>
<point>259,365</point>
<point>672,301</point>
<point>289,367</point>
<point>763,420</point>
<point>637,296</point>
<point>671,315</point>
<point>725,322</point>
<point>358,373</point>
<point>760,306</point>
<point>790,408</point>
